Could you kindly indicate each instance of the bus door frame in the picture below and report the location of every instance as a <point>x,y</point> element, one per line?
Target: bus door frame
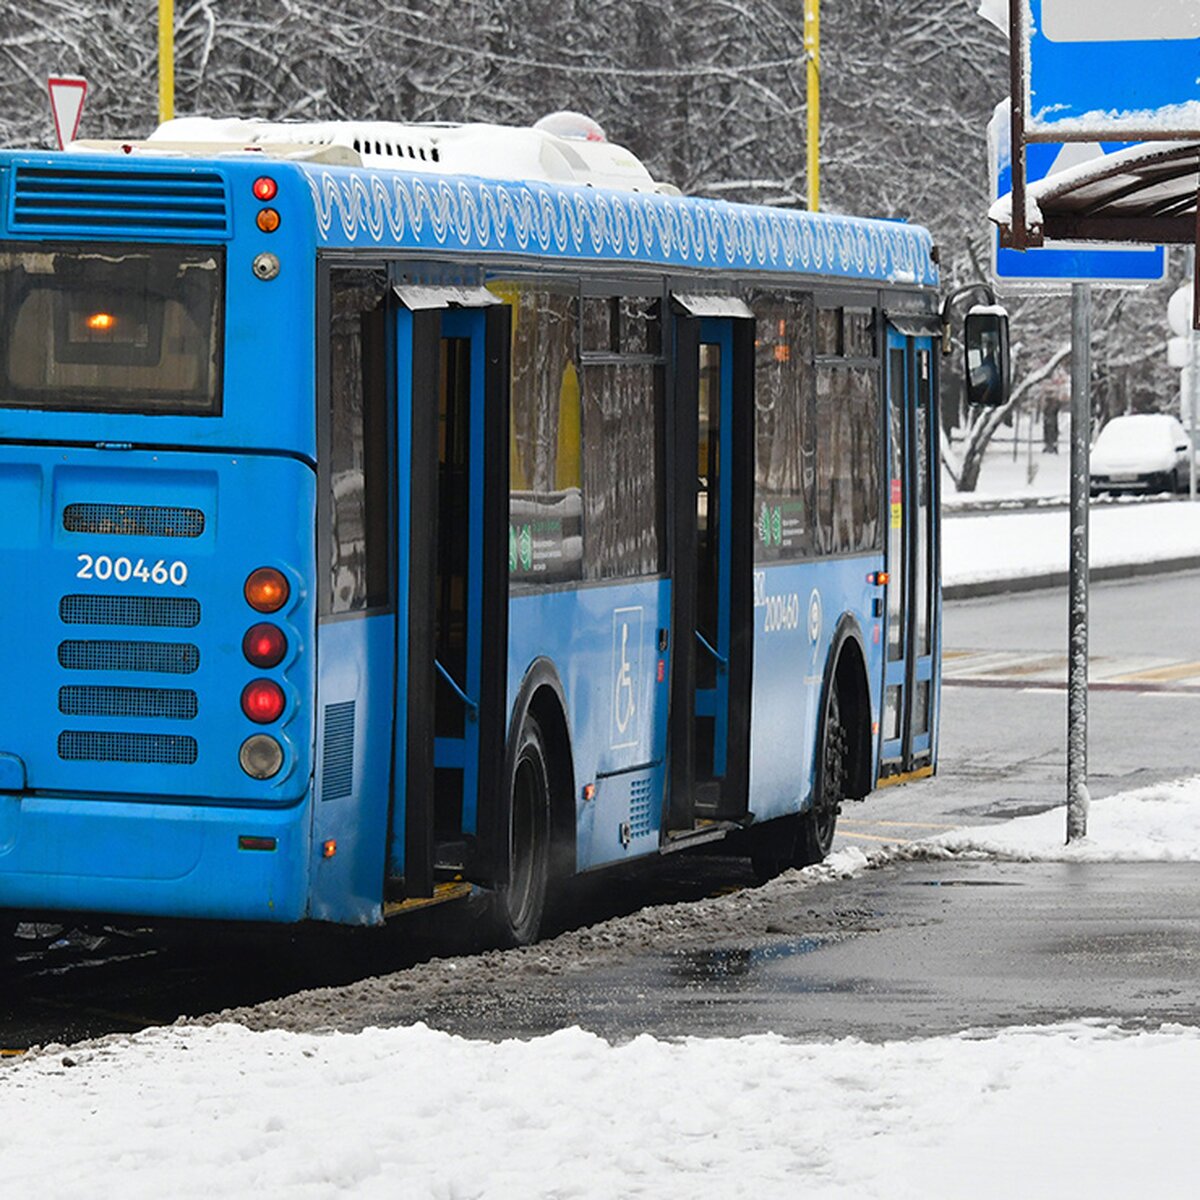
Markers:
<point>720,792</point>
<point>910,365</point>
<point>426,317</point>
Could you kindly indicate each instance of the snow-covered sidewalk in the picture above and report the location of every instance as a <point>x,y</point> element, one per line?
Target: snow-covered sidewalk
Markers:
<point>1066,1111</point>
<point>1019,545</point>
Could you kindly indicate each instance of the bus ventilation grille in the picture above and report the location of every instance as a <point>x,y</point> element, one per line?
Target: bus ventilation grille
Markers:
<point>128,203</point>
<point>133,520</point>
<point>639,807</point>
<point>168,658</point>
<point>337,777</point>
<point>172,704</point>
<point>173,612</point>
<point>95,746</point>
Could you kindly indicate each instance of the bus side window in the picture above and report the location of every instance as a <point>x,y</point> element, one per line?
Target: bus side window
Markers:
<point>849,442</point>
<point>623,484</point>
<point>783,456</point>
<point>356,471</point>
<point>545,502</point>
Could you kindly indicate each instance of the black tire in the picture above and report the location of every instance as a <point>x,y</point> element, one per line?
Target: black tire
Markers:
<point>818,823</point>
<point>518,907</point>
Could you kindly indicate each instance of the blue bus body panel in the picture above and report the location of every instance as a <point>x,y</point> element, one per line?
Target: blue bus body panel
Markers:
<point>150,858</point>
<point>598,638</point>
<point>268,366</point>
<point>356,703</point>
<point>121,719</point>
<point>797,610</point>
<point>459,214</point>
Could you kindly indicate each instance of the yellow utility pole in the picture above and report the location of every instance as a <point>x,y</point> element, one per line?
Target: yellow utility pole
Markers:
<point>166,60</point>
<point>812,47</point>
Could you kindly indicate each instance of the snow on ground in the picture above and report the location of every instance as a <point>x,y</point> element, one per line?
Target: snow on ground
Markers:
<point>1010,545</point>
<point>1024,475</point>
<point>410,1113</point>
<point>1154,824</point>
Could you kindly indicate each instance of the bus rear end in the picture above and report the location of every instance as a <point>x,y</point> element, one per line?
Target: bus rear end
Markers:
<point>157,492</point>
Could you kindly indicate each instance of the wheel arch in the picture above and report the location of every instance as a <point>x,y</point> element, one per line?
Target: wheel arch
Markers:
<point>542,694</point>
<point>846,667</point>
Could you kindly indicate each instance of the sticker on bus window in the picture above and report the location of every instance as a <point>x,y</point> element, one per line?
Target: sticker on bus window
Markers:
<point>897,504</point>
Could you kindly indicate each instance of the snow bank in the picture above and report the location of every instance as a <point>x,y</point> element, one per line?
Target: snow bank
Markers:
<point>1069,1110</point>
<point>1017,545</point>
<point>1155,824</point>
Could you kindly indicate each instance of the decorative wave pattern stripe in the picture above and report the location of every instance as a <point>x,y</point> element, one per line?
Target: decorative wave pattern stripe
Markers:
<point>450,213</point>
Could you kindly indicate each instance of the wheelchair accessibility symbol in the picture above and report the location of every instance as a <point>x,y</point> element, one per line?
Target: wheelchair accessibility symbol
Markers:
<point>626,677</point>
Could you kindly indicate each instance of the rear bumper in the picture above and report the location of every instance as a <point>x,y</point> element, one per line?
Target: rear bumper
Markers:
<point>152,859</point>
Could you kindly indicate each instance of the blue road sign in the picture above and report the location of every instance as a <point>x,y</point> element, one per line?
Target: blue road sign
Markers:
<point>1111,68</point>
<point>1063,262</point>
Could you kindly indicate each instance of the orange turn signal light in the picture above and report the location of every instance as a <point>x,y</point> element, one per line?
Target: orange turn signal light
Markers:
<point>329,849</point>
<point>267,220</point>
<point>267,590</point>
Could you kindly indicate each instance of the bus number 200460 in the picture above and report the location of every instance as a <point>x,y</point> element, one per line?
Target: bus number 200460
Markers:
<point>101,566</point>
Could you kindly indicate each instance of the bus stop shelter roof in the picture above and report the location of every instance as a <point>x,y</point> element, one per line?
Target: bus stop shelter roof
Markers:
<point>1146,193</point>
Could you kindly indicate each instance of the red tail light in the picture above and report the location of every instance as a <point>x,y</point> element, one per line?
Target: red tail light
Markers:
<point>264,645</point>
<point>263,701</point>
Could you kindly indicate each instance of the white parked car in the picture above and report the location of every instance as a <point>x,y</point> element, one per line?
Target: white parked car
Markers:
<point>1149,452</point>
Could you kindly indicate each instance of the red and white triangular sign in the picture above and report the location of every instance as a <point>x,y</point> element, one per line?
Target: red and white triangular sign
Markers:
<point>67,93</point>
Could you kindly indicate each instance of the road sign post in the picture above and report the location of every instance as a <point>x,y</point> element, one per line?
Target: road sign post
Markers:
<point>1077,659</point>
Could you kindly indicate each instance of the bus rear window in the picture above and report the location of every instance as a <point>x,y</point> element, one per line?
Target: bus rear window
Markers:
<point>111,328</point>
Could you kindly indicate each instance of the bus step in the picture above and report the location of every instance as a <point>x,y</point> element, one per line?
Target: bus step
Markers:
<point>703,831</point>
<point>443,893</point>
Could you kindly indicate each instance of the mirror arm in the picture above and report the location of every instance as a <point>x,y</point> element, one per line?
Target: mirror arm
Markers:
<point>967,289</point>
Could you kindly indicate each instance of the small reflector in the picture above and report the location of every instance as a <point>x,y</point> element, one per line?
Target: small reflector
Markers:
<point>589,791</point>
<point>246,842</point>
<point>329,849</point>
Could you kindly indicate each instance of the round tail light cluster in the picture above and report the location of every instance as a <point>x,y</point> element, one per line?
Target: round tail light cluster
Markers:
<point>264,646</point>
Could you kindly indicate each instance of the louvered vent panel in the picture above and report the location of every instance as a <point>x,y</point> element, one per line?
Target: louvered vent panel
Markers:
<point>168,658</point>
<point>173,704</point>
<point>639,807</point>
<point>337,778</point>
<point>99,746</point>
<point>162,203</point>
<point>133,520</point>
<point>171,612</point>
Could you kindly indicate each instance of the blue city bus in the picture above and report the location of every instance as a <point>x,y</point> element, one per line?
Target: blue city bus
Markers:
<point>390,511</point>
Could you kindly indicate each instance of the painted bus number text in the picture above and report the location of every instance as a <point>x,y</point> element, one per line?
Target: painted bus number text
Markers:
<point>783,612</point>
<point>100,566</point>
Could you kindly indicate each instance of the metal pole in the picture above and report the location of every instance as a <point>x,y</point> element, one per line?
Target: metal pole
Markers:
<point>1190,378</point>
<point>1077,662</point>
<point>166,60</point>
<point>812,47</point>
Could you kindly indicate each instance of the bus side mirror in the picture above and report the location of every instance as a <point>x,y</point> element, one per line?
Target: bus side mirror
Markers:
<point>985,337</point>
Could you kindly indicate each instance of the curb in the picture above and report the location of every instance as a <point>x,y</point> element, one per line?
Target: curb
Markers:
<point>1059,579</point>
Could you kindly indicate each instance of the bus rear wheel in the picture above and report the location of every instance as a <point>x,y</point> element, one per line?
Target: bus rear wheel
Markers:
<point>818,823</point>
<point>518,906</point>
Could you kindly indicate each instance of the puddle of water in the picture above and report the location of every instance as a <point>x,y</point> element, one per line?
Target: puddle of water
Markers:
<point>963,883</point>
<point>736,962</point>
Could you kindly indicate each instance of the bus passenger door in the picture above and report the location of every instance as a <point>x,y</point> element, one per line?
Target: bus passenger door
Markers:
<point>452,506</point>
<point>913,614</point>
<point>711,570</point>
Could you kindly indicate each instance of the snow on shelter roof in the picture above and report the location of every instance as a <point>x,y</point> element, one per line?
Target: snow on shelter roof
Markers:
<point>1145,193</point>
